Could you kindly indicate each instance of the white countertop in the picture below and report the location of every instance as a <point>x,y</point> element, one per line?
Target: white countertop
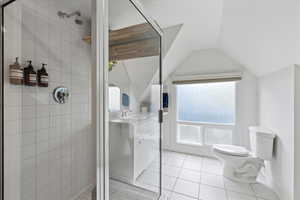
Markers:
<point>130,119</point>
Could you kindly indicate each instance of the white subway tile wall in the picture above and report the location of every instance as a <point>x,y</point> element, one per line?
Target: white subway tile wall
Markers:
<point>50,149</point>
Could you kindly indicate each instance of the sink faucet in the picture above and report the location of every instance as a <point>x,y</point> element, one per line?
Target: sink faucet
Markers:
<point>124,113</point>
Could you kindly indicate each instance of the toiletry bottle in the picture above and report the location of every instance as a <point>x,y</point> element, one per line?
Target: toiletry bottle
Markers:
<point>16,73</point>
<point>42,76</point>
<point>29,75</point>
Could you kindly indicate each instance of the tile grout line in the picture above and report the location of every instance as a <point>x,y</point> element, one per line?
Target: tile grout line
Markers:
<point>178,177</point>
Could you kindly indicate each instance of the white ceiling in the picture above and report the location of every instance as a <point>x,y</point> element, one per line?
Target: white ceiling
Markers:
<point>123,14</point>
<point>201,22</point>
<point>264,36</point>
<point>261,35</point>
<point>201,19</point>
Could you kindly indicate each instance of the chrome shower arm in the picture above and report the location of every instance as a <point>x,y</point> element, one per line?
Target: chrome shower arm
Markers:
<point>66,15</point>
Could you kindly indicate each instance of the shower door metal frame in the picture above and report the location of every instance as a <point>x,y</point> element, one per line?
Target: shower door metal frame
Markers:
<point>100,40</point>
<point>2,113</point>
<point>3,4</point>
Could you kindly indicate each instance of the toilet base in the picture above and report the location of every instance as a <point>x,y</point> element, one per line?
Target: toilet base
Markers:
<point>240,169</point>
<point>234,174</point>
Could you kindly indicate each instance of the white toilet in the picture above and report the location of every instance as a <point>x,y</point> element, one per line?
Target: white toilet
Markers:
<point>241,165</point>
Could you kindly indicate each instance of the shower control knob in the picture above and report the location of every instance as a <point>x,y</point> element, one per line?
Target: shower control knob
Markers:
<point>61,94</point>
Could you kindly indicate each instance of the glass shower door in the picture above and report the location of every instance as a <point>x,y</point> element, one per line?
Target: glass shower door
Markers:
<point>49,143</point>
<point>135,101</point>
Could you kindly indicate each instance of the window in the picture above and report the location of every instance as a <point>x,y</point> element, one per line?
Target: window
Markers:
<point>206,102</point>
<point>189,134</point>
<point>205,113</point>
<point>114,98</point>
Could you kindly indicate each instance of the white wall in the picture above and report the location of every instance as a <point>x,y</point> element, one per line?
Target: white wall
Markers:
<point>213,61</point>
<point>246,108</point>
<point>207,61</point>
<point>276,112</point>
<point>264,37</point>
<point>50,148</point>
<point>141,72</point>
<point>136,78</point>
<point>119,76</point>
<point>12,110</point>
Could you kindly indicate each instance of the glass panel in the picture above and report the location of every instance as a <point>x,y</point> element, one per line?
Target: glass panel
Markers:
<point>50,146</point>
<point>210,102</point>
<point>189,134</point>
<point>134,131</point>
<point>218,136</point>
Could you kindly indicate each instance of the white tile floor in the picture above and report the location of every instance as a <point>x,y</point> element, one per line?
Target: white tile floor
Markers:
<point>187,177</point>
<point>121,191</point>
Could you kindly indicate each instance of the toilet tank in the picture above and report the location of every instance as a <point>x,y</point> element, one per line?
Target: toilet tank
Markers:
<point>261,141</point>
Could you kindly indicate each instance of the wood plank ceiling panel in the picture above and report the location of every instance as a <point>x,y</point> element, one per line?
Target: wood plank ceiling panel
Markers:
<point>132,42</point>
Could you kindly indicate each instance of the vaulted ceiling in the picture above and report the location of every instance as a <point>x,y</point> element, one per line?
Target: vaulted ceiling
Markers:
<point>201,23</point>
<point>263,36</point>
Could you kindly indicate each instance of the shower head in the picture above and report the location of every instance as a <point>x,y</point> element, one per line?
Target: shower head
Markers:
<point>62,14</point>
<point>78,20</point>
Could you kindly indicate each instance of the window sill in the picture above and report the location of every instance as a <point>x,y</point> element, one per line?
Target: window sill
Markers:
<point>190,143</point>
<point>205,123</point>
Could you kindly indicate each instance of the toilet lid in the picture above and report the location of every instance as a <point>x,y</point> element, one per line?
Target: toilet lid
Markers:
<point>231,150</point>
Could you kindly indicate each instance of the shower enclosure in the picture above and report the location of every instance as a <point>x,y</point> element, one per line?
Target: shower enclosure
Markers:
<point>63,62</point>
<point>48,139</point>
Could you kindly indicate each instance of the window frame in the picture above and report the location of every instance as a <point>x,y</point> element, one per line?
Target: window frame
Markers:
<point>203,125</point>
<point>202,122</point>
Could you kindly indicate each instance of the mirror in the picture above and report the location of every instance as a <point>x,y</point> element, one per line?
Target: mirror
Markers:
<point>114,94</point>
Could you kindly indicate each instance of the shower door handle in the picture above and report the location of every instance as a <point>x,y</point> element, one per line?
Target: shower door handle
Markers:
<point>160,116</point>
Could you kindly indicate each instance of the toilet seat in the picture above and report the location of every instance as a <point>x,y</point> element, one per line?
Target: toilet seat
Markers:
<point>231,150</point>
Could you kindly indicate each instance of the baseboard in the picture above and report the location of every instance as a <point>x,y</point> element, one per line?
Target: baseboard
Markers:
<point>189,152</point>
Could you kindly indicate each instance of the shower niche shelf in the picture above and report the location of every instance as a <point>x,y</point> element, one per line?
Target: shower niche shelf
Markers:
<point>132,42</point>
